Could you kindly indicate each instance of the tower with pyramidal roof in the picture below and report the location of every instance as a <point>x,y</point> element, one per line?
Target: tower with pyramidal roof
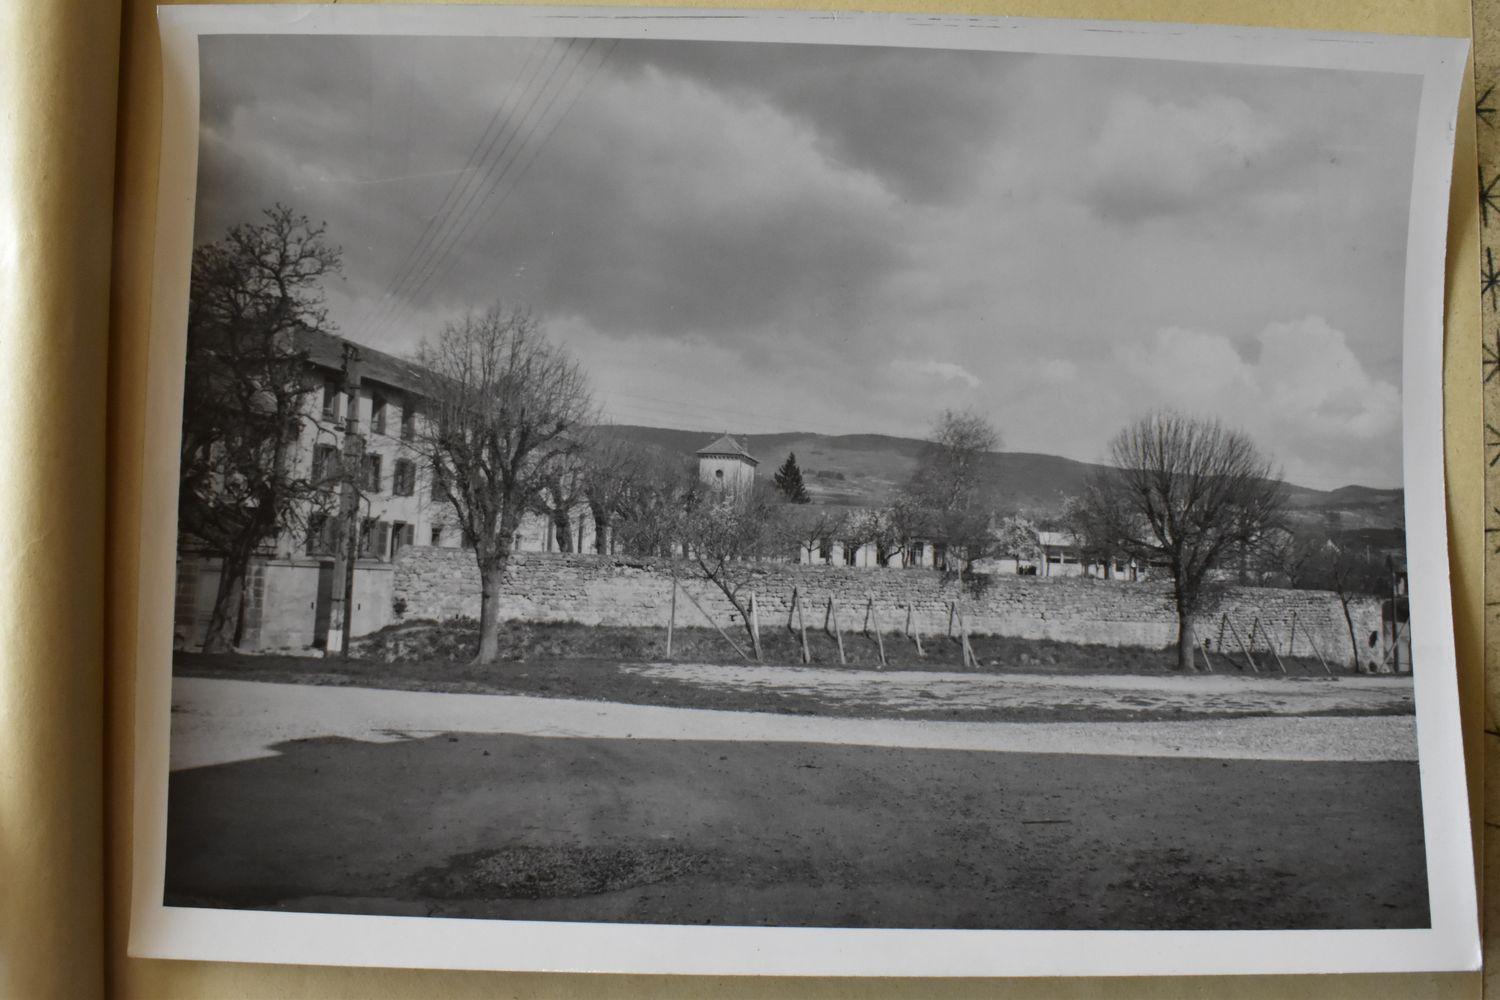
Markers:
<point>726,465</point>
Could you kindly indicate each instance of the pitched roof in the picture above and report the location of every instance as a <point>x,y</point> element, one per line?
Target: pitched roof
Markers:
<point>326,350</point>
<point>729,447</point>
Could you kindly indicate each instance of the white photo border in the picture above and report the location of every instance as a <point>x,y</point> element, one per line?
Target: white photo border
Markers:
<point>1450,944</point>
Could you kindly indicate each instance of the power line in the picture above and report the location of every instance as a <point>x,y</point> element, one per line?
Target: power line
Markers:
<point>529,93</point>
<point>556,122</point>
<point>442,261</point>
<point>441,244</point>
<point>464,177</point>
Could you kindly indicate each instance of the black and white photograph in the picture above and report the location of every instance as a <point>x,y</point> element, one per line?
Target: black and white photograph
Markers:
<point>723,477</point>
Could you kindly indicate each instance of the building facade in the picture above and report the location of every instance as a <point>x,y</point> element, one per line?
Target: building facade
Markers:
<point>289,592</point>
<point>726,467</point>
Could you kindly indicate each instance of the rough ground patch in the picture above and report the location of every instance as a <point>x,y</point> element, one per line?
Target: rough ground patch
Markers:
<point>847,692</point>
<point>529,872</point>
<point>456,641</point>
<point>799,834</point>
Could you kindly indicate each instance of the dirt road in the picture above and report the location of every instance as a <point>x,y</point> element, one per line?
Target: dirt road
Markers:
<point>219,721</point>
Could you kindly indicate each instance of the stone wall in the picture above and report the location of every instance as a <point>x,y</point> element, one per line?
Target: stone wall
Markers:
<point>613,590</point>
<point>281,600</point>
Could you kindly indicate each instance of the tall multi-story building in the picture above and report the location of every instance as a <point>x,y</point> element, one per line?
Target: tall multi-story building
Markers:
<point>289,592</point>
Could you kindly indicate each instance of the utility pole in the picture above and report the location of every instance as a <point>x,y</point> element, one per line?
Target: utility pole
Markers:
<point>351,462</point>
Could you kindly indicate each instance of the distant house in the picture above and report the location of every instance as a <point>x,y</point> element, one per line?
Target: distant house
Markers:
<point>1058,554</point>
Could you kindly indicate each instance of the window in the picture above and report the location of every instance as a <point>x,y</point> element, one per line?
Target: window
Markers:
<point>404,483</point>
<point>439,490</point>
<point>320,534</point>
<point>408,419</point>
<point>374,538</point>
<point>719,475</point>
<point>914,554</point>
<point>437,535</point>
<point>330,399</point>
<point>370,480</point>
<point>377,413</point>
<point>851,551</point>
<point>825,549</point>
<point>402,535</point>
<point>325,464</point>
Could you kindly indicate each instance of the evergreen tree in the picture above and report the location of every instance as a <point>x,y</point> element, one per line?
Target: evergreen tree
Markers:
<point>789,481</point>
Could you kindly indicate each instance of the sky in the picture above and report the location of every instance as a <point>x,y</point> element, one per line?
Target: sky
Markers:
<point>758,238</point>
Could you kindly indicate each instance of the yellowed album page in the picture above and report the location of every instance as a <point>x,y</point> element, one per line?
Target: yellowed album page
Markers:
<point>58,78</point>
<point>141,96</point>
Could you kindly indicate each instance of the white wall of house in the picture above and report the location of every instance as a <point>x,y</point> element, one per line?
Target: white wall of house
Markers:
<point>727,472</point>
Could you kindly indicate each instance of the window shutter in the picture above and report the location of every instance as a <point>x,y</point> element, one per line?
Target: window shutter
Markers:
<point>382,540</point>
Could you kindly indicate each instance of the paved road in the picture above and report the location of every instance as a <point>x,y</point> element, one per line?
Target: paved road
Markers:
<point>219,721</point>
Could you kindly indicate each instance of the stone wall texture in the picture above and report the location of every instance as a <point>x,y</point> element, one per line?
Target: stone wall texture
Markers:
<point>613,590</point>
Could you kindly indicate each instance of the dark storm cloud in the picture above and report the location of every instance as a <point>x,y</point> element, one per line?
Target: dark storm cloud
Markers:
<point>771,237</point>
<point>913,117</point>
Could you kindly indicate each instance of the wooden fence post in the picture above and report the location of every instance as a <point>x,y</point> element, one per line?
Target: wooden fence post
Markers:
<point>694,601</point>
<point>755,627</point>
<point>1270,644</point>
<point>915,634</point>
<point>801,626</point>
<point>672,615</point>
<point>1291,636</point>
<point>1316,652</point>
<point>870,620</point>
<point>1202,648</point>
<point>1243,648</point>
<point>969,659</point>
<point>833,616</point>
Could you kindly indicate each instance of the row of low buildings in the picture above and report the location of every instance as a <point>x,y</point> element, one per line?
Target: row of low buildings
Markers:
<point>289,597</point>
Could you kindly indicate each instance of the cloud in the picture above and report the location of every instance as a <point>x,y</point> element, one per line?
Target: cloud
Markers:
<point>945,371</point>
<point>1305,396</point>
<point>1159,157</point>
<point>915,118</point>
<point>748,235</point>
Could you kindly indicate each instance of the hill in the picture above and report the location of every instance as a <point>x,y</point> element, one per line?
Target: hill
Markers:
<point>866,469</point>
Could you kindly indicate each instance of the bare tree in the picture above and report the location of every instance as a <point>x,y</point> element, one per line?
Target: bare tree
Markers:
<point>245,396</point>
<point>1018,536</point>
<point>950,473</point>
<point>878,528</point>
<point>910,521</point>
<point>1094,525</point>
<point>812,526</point>
<point>727,536</point>
<point>1187,493</point>
<point>506,411</point>
<point>563,492</point>
<point>1351,572</point>
<point>611,470</point>
<point>950,483</point>
<point>655,501</point>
